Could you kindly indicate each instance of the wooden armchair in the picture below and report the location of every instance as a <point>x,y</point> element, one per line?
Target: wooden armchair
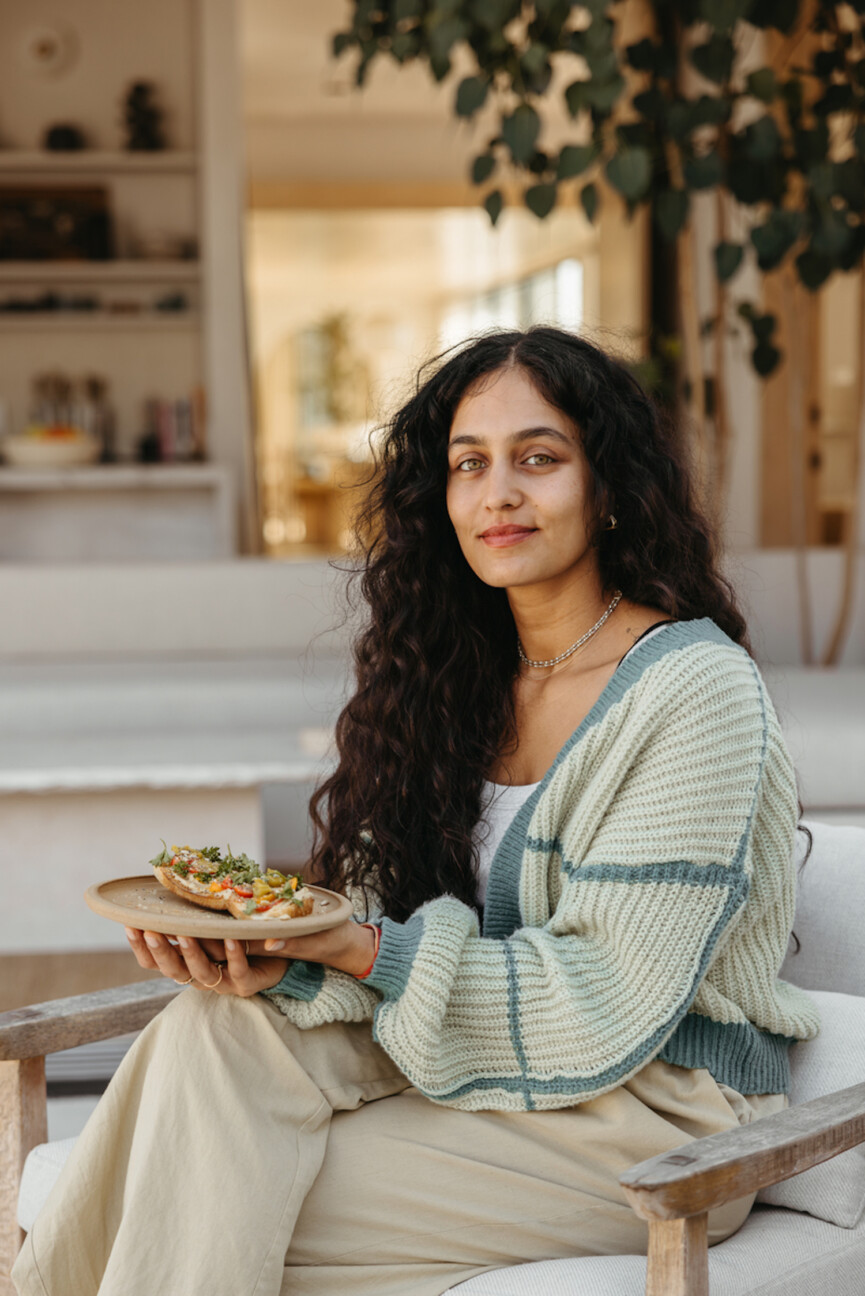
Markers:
<point>673,1192</point>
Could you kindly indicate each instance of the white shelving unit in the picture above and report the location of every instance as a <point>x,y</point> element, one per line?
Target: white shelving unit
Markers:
<point>63,272</point>
<point>97,162</point>
<point>191,191</point>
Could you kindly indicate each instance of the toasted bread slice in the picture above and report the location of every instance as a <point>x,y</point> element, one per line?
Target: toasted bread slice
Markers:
<point>299,906</point>
<point>191,889</point>
<point>209,888</point>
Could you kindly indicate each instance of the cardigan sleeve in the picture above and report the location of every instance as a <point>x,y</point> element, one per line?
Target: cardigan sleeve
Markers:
<point>652,874</point>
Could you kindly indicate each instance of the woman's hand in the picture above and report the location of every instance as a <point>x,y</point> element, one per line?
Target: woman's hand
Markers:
<point>348,948</point>
<point>220,966</point>
<point>247,967</point>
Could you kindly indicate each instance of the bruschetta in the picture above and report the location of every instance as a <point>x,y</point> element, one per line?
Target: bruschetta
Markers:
<point>232,883</point>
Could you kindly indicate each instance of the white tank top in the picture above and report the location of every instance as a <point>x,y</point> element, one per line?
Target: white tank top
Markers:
<point>499,805</point>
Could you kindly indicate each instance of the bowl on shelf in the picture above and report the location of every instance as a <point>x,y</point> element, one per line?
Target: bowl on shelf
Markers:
<point>51,451</point>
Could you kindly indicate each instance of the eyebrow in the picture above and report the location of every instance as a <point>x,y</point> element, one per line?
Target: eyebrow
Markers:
<point>516,438</point>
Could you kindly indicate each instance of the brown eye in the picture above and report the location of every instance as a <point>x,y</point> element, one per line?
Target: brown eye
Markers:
<point>540,455</point>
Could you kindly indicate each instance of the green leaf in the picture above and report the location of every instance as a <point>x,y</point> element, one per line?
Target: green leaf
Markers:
<point>812,146</point>
<point>850,182</point>
<point>704,172</point>
<point>780,14</point>
<point>709,110</point>
<point>590,200</point>
<point>574,159</point>
<point>483,167</point>
<point>403,9</point>
<point>723,14</point>
<point>405,45</point>
<point>762,84</point>
<point>714,59</point>
<point>541,199</point>
<point>793,96</point>
<point>575,97</point>
<point>605,95</point>
<point>838,98</point>
<point>813,269</point>
<point>520,132</point>
<point>765,358</point>
<point>471,95</point>
<point>728,258</point>
<point>630,171</point>
<point>493,204</point>
<point>833,234</point>
<point>773,239</point>
<point>670,211</point>
<point>762,139</point>
<point>650,103</point>
<point>678,119</point>
<point>341,42</point>
<point>642,56</point>
<point>763,326</point>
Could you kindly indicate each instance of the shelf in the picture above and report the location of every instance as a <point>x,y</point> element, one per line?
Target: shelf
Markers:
<point>98,271</point>
<point>109,477</point>
<point>96,322</point>
<point>97,160</point>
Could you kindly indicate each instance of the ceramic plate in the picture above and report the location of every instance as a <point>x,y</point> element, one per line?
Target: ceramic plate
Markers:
<point>145,903</point>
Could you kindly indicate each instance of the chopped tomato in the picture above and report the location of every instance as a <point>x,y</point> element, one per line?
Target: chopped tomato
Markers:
<point>243,890</point>
<point>266,904</point>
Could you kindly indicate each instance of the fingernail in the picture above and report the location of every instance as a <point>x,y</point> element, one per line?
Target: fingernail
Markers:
<point>130,933</point>
<point>152,941</point>
<point>231,945</point>
<point>182,941</point>
<point>276,945</point>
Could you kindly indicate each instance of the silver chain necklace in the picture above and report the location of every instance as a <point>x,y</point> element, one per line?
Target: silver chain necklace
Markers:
<point>554,661</point>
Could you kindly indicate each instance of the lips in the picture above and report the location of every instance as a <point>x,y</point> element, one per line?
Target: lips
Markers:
<point>500,537</point>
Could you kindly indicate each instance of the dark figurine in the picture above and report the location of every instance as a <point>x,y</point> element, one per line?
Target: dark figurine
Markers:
<point>64,138</point>
<point>144,129</point>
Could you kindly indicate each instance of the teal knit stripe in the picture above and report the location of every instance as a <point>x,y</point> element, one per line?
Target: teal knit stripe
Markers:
<point>396,955</point>
<point>502,911</point>
<point>737,1054</point>
<point>301,981</point>
<point>514,1023</point>
<point>672,871</point>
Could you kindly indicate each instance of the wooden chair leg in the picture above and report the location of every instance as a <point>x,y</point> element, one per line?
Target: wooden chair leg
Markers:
<point>23,1124</point>
<point>678,1262</point>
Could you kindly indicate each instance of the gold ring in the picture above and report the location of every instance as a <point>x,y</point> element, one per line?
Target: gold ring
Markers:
<point>187,982</point>
<point>246,948</point>
<point>209,985</point>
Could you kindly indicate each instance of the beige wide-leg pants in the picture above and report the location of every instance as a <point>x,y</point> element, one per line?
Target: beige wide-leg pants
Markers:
<point>235,1155</point>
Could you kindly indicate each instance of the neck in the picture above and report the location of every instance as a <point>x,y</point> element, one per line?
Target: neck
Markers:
<point>552,616</point>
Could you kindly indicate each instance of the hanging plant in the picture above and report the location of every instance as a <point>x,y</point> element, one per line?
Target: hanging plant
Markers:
<point>660,120</point>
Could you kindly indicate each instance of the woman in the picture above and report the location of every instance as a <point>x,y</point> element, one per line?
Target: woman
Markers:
<point>564,802</point>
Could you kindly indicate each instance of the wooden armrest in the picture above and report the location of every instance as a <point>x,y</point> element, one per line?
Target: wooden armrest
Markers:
<point>65,1023</point>
<point>722,1167</point>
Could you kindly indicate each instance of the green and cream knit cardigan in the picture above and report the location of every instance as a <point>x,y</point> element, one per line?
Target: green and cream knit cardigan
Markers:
<point>639,907</point>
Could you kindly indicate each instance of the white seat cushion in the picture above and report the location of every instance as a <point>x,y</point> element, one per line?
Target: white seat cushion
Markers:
<point>41,1171</point>
<point>775,1253</point>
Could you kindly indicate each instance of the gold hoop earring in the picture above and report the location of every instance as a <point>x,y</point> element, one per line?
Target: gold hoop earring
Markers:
<point>612,524</point>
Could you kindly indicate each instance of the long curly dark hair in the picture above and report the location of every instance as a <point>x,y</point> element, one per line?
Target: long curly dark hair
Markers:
<point>436,662</point>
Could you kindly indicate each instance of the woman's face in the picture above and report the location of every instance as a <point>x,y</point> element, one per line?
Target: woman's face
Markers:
<point>518,482</point>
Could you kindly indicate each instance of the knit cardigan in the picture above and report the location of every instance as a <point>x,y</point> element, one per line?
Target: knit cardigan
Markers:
<point>639,906</point>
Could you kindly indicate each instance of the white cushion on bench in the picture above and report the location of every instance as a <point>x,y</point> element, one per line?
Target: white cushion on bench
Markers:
<point>775,1253</point>
<point>41,1171</point>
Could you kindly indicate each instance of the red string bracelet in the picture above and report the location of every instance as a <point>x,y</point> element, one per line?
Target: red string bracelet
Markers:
<point>361,976</point>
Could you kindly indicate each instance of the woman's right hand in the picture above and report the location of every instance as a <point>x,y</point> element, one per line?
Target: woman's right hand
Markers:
<point>219,966</point>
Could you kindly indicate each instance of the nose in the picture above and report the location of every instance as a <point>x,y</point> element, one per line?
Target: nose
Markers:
<point>502,487</point>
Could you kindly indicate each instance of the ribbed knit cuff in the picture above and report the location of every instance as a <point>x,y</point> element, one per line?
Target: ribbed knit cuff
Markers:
<point>301,980</point>
<point>396,954</point>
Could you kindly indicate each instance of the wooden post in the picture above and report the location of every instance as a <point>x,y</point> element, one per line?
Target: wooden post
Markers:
<point>678,1257</point>
<point>23,1124</point>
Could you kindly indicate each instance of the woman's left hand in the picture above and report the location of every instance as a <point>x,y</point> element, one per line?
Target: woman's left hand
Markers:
<point>246,968</point>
